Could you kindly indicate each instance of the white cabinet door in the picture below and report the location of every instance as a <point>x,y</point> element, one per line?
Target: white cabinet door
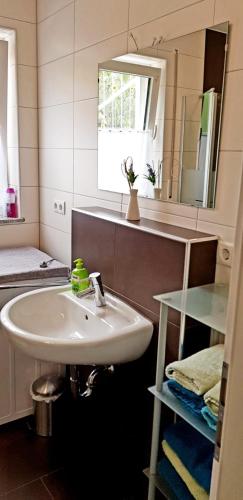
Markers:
<point>17,372</point>
<point>25,372</point>
<point>5,377</point>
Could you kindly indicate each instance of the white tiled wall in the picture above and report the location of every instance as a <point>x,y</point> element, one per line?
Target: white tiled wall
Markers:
<point>73,37</point>
<point>21,15</point>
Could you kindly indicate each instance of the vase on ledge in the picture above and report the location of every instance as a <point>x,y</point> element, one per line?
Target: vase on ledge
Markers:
<point>157,193</point>
<point>133,209</point>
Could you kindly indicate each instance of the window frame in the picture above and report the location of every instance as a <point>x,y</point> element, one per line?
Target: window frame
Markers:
<point>12,144</point>
<point>4,77</point>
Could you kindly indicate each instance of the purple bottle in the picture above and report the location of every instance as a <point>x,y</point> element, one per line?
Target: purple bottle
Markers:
<point>11,203</point>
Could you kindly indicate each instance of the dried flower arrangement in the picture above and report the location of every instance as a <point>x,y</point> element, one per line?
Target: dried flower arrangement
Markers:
<point>153,176</point>
<point>128,171</point>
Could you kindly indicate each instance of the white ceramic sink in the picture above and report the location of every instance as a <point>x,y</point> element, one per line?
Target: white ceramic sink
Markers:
<point>51,324</point>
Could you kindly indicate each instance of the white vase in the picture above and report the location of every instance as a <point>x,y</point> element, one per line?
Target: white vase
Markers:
<point>132,209</point>
<point>157,193</point>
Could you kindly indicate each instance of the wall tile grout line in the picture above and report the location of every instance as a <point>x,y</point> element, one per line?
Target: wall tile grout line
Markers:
<point>56,147</point>
<point>20,106</point>
<point>18,20</point>
<point>170,13</point>
<point>13,490</point>
<point>67,102</point>
<point>235,70</point>
<point>84,48</point>
<point>54,227</point>
<point>46,488</point>
<point>34,66</point>
<point>54,13</point>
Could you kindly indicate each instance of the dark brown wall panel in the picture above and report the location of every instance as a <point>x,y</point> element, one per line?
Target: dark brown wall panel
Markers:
<point>94,241</point>
<point>214,60</point>
<point>146,265</point>
<point>202,263</point>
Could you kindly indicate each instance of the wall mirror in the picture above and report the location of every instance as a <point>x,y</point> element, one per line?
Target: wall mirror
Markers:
<point>163,107</point>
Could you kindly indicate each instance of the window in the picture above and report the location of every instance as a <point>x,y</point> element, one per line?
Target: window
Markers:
<point>3,114</point>
<point>9,133</point>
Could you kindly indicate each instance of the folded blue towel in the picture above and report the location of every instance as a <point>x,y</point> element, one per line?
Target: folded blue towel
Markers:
<point>169,474</point>
<point>192,401</point>
<point>209,417</point>
<point>194,450</point>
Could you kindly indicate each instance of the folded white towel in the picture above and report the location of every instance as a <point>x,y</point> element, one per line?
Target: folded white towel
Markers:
<point>211,398</point>
<point>200,372</point>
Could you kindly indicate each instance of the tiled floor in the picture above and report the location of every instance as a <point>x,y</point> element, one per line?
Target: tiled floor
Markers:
<point>95,454</point>
<point>36,468</point>
<point>25,461</point>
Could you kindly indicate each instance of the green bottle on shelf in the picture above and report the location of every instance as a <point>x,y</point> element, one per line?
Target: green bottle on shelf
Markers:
<point>78,278</point>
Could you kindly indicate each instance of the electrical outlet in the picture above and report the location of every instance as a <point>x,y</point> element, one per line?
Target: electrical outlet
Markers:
<point>225,253</point>
<point>59,206</point>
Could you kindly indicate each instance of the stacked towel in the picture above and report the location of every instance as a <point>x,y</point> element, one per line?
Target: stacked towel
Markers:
<point>200,372</point>
<point>169,474</point>
<point>209,417</point>
<point>211,399</point>
<point>192,401</point>
<point>211,410</point>
<point>194,451</point>
<point>195,489</point>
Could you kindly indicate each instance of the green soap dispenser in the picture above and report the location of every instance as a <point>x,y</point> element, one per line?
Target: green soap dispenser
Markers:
<point>78,278</point>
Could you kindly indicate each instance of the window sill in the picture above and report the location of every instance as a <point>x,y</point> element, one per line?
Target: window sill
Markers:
<point>7,220</point>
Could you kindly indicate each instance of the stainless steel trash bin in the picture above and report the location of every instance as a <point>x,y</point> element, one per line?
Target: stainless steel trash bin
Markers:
<point>45,391</point>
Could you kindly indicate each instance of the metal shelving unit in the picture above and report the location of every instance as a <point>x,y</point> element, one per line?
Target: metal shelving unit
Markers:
<point>208,305</point>
<point>166,397</point>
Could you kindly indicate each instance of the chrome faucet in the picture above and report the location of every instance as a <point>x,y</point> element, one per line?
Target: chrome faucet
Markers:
<point>96,281</point>
<point>96,288</point>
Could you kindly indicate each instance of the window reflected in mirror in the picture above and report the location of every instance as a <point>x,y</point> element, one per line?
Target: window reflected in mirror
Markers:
<point>129,121</point>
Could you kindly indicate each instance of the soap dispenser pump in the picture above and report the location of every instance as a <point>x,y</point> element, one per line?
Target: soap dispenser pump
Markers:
<point>79,277</point>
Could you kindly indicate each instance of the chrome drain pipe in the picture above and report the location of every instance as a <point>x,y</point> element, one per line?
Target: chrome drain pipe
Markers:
<point>74,380</point>
<point>91,382</point>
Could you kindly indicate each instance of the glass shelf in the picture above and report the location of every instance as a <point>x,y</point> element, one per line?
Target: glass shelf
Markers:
<point>175,404</point>
<point>207,304</point>
<point>161,485</point>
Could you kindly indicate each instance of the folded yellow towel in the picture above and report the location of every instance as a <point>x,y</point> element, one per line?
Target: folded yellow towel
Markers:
<point>211,398</point>
<point>195,489</point>
<point>200,372</point>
